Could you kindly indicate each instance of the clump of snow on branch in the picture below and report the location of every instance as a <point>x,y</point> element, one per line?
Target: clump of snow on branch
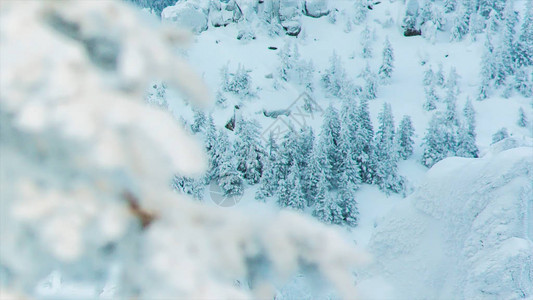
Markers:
<point>86,167</point>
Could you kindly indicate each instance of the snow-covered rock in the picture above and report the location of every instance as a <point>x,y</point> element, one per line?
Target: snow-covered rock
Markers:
<point>316,8</point>
<point>188,14</point>
<point>292,27</point>
<point>289,9</point>
<point>223,13</point>
<point>465,234</point>
<point>289,16</point>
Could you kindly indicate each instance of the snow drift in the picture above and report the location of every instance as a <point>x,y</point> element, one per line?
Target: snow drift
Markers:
<point>465,234</point>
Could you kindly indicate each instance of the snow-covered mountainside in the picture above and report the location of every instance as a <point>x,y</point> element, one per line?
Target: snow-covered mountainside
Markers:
<point>466,233</point>
<point>462,73</point>
<point>403,127</point>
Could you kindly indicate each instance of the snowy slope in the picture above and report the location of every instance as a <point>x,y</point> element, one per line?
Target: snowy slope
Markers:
<point>466,233</point>
<point>218,46</point>
<point>426,246</point>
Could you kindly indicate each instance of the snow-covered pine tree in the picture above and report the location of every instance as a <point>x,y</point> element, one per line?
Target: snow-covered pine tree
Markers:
<point>431,98</point>
<point>489,7</point>
<point>306,73</point>
<point>238,83</point>
<point>524,81</point>
<point>306,142</point>
<point>190,186</point>
<point>522,118</point>
<point>386,174</point>
<point>290,190</point>
<point>467,133</point>
<point>248,150</point>
<point>370,88</point>
<point>157,95</point>
<point>387,64</point>
<point>429,76</point>
<point>229,179</point>
<point>500,135</point>
<point>329,141</point>
<point>489,68</point>
<point>405,137</point>
<point>435,141</point>
<point>450,6</point>
<point>524,47</point>
<point>289,155</point>
<point>199,122</point>
<point>361,11</point>
<point>220,99</point>
<point>508,87</point>
<point>507,47</point>
<point>221,150</point>
<point>325,209</point>
<point>287,62</point>
<point>431,20</point>
<point>439,76</point>
<point>452,81</point>
<point>348,202</point>
<point>364,148</point>
<point>451,122</point>
<point>366,43</point>
<point>335,80</point>
<point>350,170</point>
<point>268,184</point>
<point>460,24</point>
<point>315,176</point>
<point>211,142</point>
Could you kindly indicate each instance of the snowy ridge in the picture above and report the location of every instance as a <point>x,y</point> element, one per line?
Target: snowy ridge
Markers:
<point>464,234</point>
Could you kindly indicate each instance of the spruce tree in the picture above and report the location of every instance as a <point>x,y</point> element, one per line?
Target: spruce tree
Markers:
<point>314,175</point>
<point>326,209</point>
<point>364,148</point>
<point>335,79</point>
<point>268,184</point>
<point>387,64</point>
<point>289,153</point>
<point>190,186</point>
<point>524,81</point>
<point>370,88</point>
<point>431,98</point>
<point>460,24</point>
<point>248,150</point>
<point>199,121</point>
<point>290,191</point>
<point>212,147</point>
<point>350,169</point>
<point>286,62</point>
<point>405,138</point>
<point>450,6</point>
<point>439,76</point>
<point>434,141</point>
<point>524,49</point>
<point>386,162</point>
<point>467,133</point>
<point>348,203</point>
<point>507,48</point>
<point>348,136</point>
<point>366,43</point>
<point>428,76</point>
<point>229,180</point>
<point>329,141</point>
<point>522,118</point>
<point>501,134</point>
<point>452,82</point>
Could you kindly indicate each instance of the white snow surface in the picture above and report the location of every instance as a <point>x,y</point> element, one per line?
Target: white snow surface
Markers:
<point>466,233</point>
